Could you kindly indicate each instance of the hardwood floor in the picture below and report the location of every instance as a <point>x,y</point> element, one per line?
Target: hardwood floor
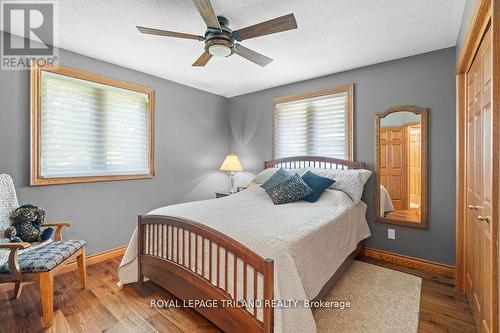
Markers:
<point>412,215</point>
<point>104,307</point>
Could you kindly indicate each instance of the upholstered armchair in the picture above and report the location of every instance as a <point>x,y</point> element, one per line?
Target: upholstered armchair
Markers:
<point>25,263</point>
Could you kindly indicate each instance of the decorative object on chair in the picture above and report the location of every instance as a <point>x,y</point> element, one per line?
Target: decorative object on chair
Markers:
<point>22,262</point>
<point>230,165</point>
<point>11,234</point>
<point>26,225</point>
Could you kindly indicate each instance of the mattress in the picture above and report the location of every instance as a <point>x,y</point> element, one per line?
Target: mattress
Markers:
<point>386,205</point>
<point>307,241</point>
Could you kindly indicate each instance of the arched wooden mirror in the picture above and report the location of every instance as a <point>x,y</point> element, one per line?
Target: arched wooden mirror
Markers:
<point>401,166</point>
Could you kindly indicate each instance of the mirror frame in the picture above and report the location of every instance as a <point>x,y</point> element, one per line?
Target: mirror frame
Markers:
<point>424,132</point>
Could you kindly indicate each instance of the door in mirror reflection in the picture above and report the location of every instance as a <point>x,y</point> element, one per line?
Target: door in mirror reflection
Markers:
<point>400,166</point>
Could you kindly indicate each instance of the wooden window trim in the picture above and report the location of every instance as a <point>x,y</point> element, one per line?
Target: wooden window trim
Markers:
<point>347,88</point>
<point>35,81</point>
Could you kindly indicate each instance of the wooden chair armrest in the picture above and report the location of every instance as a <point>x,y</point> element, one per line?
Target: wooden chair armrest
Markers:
<point>59,226</point>
<point>13,246</point>
<point>14,269</point>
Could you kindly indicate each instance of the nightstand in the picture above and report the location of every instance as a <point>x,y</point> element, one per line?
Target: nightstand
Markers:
<point>222,194</point>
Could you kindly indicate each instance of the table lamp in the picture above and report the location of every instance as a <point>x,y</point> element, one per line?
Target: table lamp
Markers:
<point>230,165</point>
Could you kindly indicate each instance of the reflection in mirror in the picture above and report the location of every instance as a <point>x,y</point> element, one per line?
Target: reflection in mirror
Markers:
<point>399,167</point>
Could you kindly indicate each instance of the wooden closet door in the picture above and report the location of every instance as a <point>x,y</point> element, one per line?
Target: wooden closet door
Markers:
<point>479,245</point>
<point>393,164</point>
<point>486,204</point>
<point>414,163</point>
<point>474,195</point>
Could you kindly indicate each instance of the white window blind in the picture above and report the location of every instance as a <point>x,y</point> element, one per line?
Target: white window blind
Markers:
<point>316,126</point>
<point>91,129</point>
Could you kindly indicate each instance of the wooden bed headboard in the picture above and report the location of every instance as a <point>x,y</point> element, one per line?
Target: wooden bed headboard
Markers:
<point>321,162</point>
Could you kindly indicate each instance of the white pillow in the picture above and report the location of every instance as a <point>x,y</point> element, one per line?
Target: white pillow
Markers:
<point>351,182</point>
<point>252,184</point>
<point>265,174</point>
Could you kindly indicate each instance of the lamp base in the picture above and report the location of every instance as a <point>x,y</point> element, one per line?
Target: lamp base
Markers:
<point>232,189</point>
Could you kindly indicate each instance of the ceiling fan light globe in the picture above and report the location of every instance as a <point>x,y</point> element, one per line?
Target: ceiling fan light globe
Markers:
<point>219,50</point>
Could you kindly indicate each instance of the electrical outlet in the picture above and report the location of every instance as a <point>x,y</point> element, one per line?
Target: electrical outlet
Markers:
<point>391,233</point>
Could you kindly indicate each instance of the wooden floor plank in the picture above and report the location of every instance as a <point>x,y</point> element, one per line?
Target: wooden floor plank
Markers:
<point>7,318</point>
<point>60,324</point>
<point>162,324</point>
<point>105,307</point>
<point>25,315</point>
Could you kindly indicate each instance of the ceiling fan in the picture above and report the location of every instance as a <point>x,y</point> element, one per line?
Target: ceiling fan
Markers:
<point>221,41</point>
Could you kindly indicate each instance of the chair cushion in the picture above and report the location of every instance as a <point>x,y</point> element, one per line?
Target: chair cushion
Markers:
<point>45,258</point>
<point>4,253</point>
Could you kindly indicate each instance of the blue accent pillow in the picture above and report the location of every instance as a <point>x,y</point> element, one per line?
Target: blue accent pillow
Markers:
<point>275,179</point>
<point>290,189</point>
<point>317,183</point>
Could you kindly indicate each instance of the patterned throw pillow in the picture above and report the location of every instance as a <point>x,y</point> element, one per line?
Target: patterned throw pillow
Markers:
<point>290,189</point>
<point>275,179</point>
<point>317,183</point>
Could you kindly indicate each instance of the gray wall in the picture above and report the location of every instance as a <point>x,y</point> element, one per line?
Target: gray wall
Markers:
<point>192,139</point>
<point>425,80</point>
<point>470,6</point>
<point>194,133</point>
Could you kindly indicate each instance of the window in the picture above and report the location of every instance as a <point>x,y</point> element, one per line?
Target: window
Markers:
<point>315,124</point>
<point>89,128</point>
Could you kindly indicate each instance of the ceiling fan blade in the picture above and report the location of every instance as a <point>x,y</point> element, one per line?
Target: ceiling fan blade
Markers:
<point>251,55</point>
<point>207,13</point>
<point>151,31</point>
<point>278,24</point>
<point>203,59</point>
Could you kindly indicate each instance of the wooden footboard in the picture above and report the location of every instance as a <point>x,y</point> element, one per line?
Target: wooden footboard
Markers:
<point>226,282</point>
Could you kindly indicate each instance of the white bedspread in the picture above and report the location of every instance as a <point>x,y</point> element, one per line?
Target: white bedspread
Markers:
<point>386,205</point>
<point>308,242</point>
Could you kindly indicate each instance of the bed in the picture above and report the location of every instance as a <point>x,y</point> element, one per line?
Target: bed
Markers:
<point>241,261</point>
<point>386,205</point>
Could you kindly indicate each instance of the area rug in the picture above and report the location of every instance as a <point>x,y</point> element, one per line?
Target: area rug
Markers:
<point>382,300</point>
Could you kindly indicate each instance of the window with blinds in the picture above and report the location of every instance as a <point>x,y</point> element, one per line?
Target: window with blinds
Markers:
<point>315,124</point>
<point>90,130</point>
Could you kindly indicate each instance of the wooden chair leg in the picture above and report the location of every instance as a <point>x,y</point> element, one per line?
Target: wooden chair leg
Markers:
<point>17,289</point>
<point>82,268</point>
<point>47,297</point>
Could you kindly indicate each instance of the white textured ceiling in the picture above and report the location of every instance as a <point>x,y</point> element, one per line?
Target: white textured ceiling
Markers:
<point>332,36</point>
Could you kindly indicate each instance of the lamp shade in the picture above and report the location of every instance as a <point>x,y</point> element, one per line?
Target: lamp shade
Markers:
<point>231,163</point>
